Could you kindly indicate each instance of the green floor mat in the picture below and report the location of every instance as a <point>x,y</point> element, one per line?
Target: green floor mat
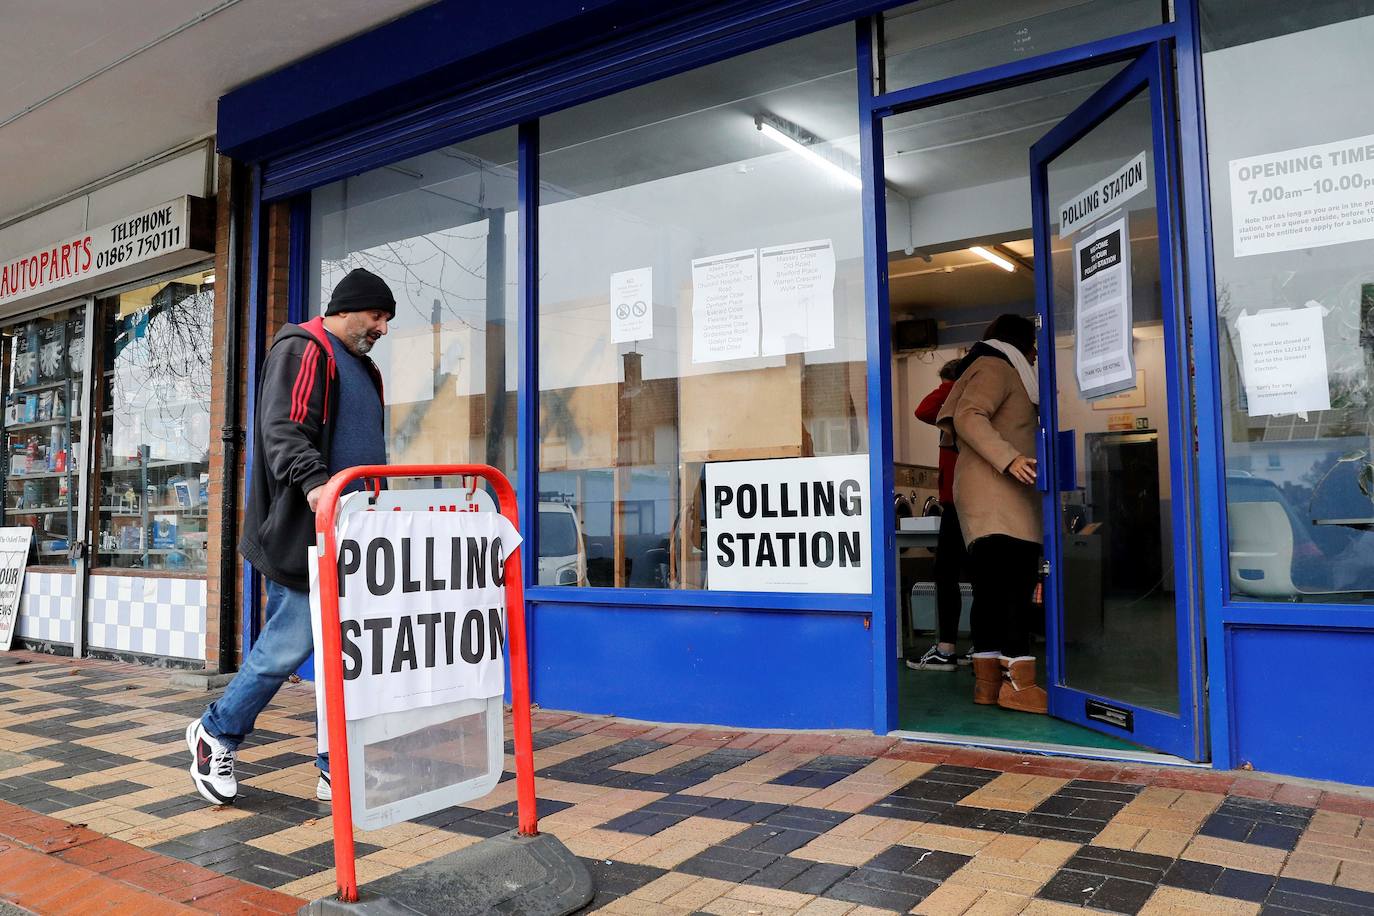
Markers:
<point>942,702</point>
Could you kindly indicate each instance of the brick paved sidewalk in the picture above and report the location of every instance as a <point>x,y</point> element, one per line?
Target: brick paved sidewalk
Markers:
<point>671,821</point>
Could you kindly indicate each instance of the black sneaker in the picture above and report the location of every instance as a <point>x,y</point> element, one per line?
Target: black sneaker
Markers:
<point>933,660</point>
<point>967,658</point>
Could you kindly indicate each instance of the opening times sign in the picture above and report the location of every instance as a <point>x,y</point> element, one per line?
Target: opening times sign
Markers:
<point>789,524</point>
<point>1306,197</point>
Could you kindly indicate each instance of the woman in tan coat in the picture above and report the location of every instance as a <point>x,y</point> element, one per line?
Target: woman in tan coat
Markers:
<point>992,412</point>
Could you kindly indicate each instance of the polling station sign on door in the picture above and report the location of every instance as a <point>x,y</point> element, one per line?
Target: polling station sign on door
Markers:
<point>422,617</point>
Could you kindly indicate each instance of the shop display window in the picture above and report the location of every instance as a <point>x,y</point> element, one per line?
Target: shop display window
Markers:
<point>440,229</point>
<point>153,404</point>
<point>701,303</point>
<point>927,41</point>
<point>45,360</point>
<point>1292,194</point>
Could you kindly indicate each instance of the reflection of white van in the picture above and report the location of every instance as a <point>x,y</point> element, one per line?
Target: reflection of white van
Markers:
<point>562,556</point>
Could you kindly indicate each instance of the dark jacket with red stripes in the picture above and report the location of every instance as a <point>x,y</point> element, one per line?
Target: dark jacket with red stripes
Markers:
<point>298,403</point>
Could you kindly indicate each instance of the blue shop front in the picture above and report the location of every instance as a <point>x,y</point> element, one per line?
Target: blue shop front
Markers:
<point>686,271</point>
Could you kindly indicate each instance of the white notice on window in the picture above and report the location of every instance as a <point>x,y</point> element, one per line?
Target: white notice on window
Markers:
<point>632,305</point>
<point>1283,356</point>
<point>1303,198</point>
<point>725,307</point>
<point>797,297</point>
<point>1104,359</point>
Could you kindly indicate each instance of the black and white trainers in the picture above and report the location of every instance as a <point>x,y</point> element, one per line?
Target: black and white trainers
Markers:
<point>967,658</point>
<point>933,660</point>
<point>212,765</point>
<point>323,790</point>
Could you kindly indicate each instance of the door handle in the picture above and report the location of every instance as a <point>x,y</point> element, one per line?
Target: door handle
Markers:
<point>1042,448</point>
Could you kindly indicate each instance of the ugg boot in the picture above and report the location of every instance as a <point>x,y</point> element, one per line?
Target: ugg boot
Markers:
<point>987,678</point>
<point>1019,691</point>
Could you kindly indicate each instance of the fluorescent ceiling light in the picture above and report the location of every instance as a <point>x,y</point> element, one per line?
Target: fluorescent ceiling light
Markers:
<point>208,280</point>
<point>806,152</point>
<point>994,258</point>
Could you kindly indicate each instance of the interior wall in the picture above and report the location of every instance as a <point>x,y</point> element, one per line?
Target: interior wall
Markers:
<point>914,442</point>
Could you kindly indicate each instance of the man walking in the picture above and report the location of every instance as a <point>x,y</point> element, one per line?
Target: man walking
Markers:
<point>319,411</point>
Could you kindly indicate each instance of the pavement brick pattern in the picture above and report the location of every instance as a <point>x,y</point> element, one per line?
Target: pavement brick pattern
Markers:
<point>671,821</point>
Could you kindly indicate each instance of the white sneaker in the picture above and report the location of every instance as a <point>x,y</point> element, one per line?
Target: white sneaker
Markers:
<point>212,765</point>
<point>323,790</point>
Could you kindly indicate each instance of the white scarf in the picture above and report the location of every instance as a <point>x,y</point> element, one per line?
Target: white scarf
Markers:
<point>1022,366</point>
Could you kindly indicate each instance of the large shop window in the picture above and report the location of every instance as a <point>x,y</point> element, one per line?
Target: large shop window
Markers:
<point>701,318</point>
<point>153,404</point>
<point>935,39</point>
<point>440,228</point>
<point>1292,184</point>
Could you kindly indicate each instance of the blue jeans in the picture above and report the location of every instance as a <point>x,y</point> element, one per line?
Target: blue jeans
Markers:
<point>282,646</point>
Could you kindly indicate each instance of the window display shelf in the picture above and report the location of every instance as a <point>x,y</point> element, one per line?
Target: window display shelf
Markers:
<point>152,552</point>
<point>45,386</point>
<point>151,465</point>
<point>41,424</point>
<point>40,510</point>
<point>121,511</point>
<point>41,475</point>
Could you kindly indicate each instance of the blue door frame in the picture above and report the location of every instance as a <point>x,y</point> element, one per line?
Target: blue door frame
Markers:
<point>365,141</point>
<point>1177,734</point>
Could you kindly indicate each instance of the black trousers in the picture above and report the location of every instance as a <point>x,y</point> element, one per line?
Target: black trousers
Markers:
<point>951,559</point>
<point>1004,577</point>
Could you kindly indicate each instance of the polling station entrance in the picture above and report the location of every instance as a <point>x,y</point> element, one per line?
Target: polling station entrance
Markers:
<point>1060,209</point>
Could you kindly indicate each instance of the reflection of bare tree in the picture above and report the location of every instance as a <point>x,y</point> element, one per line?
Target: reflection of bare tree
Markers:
<point>408,261</point>
<point>463,274</point>
<point>161,385</point>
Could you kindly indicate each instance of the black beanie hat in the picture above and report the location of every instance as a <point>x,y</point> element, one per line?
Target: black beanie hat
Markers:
<point>361,291</point>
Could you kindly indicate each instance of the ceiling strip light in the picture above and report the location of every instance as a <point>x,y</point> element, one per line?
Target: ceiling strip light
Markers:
<point>806,152</point>
<point>993,257</point>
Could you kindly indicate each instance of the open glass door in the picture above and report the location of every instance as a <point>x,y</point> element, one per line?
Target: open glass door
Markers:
<point>1121,629</point>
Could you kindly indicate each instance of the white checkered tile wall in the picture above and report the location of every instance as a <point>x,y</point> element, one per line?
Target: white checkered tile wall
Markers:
<point>148,616</point>
<point>47,611</point>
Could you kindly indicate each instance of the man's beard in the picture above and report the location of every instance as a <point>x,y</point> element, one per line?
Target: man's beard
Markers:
<point>360,344</point>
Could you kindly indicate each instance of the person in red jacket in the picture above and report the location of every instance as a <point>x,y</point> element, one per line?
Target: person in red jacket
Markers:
<point>950,555</point>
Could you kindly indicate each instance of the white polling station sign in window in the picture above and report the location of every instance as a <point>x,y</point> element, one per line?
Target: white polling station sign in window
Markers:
<point>789,525</point>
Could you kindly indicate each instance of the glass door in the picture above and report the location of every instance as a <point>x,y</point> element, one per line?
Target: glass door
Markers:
<point>1121,630</point>
<point>45,367</point>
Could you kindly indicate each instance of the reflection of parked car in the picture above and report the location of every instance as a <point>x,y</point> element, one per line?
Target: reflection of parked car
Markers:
<point>1278,554</point>
<point>562,557</point>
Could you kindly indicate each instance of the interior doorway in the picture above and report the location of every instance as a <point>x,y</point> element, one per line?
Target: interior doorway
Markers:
<point>977,227</point>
